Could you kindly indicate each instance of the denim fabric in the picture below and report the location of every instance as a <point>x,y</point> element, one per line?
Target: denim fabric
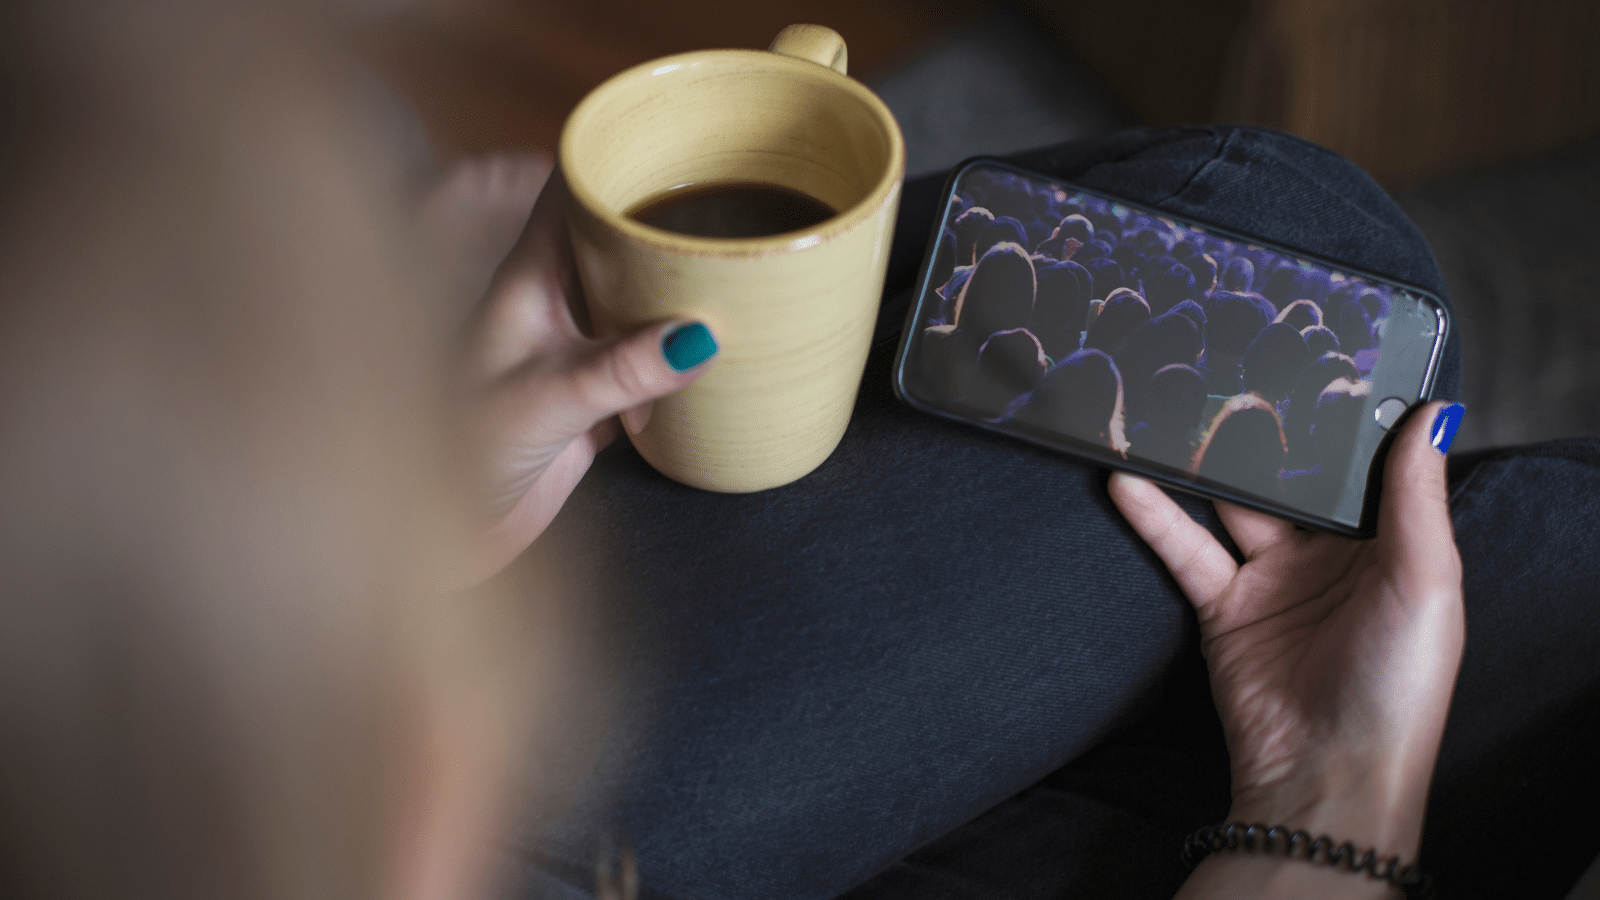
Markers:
<point>1512,809</point>
<point>945,640</point>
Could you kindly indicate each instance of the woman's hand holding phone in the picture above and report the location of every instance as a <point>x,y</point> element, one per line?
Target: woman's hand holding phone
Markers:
<point>1332,662</point>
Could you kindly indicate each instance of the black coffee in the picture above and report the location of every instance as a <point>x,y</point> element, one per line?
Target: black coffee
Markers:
<point>732,210</point>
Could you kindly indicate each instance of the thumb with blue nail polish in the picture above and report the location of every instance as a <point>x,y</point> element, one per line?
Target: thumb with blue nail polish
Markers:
<point>1445,425</point>
<point>1414,512</point>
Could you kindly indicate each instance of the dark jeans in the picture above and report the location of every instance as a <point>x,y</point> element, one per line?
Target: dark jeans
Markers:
<point>942,666</point>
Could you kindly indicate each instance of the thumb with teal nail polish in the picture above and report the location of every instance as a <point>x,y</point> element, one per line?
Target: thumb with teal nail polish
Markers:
<point>545,392</point>
<point>687,346</point>
<point>543,423</point>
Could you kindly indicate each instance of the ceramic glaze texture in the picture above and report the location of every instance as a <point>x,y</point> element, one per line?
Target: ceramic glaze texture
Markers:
<point>792,313</point>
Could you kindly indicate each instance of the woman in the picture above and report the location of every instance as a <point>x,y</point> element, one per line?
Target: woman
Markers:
<point>227,530</point>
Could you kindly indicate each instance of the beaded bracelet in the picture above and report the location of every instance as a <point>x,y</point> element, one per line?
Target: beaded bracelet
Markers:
<point>1411,880</point>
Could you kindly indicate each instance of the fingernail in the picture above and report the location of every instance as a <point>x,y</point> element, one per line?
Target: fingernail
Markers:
<point>1445,425</point>
<point>688,346</point>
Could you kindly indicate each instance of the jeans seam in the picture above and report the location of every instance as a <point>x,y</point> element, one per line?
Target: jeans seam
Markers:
<point>1216,156</point>
<point>1037,157</point>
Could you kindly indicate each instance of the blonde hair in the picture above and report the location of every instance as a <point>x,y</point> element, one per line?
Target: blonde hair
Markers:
<point>226,669</point>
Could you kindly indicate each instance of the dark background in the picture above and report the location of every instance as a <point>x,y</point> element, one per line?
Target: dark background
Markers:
<point>1482,116</point>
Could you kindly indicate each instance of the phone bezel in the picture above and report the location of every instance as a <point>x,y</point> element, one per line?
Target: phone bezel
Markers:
<point>1082,450</point>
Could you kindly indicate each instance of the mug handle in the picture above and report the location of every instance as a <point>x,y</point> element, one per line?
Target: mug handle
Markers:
<point>815,43</point>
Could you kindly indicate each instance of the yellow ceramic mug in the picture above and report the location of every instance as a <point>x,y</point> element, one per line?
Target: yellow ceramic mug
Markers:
<point>793,313</point>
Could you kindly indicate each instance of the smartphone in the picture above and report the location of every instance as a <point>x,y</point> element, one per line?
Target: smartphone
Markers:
<point>1126,336</point>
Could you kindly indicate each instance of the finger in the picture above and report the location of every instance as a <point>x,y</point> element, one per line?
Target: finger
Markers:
<point>529,301</point>
<point>532,513</point>
<point>613,376</point>
<point>1414,511</point>
<point>1253,531</point>
<point>1196,560</point>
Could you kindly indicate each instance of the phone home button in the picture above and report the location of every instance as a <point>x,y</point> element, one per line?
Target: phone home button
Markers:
<point>1389,412</point>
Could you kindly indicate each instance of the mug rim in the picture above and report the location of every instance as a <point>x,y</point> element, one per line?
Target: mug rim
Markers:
<point>845,220</point>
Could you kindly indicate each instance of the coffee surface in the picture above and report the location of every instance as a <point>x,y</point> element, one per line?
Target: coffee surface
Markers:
<point>732,210</point>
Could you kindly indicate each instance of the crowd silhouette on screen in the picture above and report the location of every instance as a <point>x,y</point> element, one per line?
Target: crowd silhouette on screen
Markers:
<point>1159,341</point>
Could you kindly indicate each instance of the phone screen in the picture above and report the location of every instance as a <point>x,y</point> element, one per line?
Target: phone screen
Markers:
<point>1127,335</point>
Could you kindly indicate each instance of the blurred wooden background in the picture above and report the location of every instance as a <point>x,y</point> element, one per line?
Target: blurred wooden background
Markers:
<point>1410,89</point>
<point>503,74</point>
